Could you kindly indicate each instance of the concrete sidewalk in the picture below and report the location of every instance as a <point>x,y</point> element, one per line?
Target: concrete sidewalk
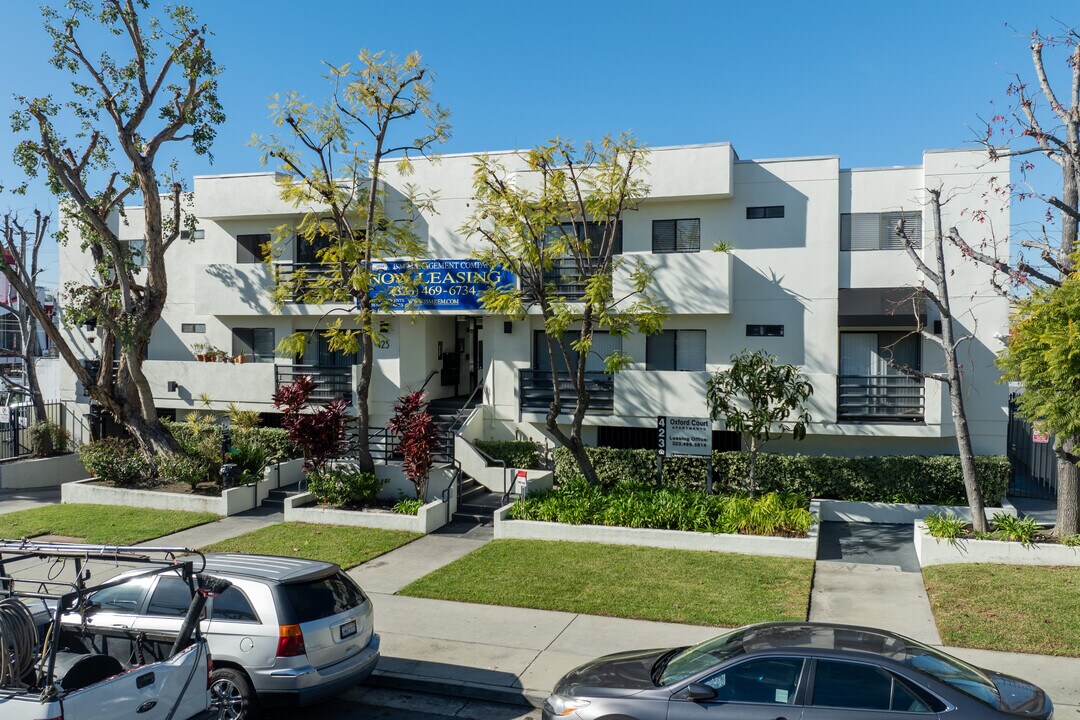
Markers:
<point>223,529</point>
<point>13,500</point>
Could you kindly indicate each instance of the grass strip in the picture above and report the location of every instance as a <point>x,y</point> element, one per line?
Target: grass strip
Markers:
<point>345,546</point>
<point>1013,608</point>
<point>99,524</point>
<point>684,586</point>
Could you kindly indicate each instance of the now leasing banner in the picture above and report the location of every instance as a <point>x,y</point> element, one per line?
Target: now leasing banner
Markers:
<point>682,436</point>
<point>439,284</point>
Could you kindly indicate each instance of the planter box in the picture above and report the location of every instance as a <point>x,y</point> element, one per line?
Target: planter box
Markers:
<point>41,472</point>
<point>231,502</point>
<point>672,539</point>
<point>941,552</point>
<point>300,508</point>
<point>896,513</point>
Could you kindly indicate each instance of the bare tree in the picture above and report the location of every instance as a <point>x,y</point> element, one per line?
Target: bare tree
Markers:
<point>1037,123</point>
<point>938,293</point>
<point>154,83</point>
<point>23,245</point>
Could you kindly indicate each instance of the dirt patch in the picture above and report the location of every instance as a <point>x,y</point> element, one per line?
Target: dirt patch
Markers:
<point>204,489</point>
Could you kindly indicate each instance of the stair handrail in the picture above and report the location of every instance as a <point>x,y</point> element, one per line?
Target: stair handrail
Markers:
<point>459,419</point>
<point>496,461</point>
<point>428,379</point>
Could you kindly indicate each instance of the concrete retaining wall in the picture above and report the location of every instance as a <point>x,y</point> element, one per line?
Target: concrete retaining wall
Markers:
<point>300,508</point>
<point>932,551</point>
<point>673,539</point>
<point>231,502</point>
<point>896,513</point>
<point>41,472</point>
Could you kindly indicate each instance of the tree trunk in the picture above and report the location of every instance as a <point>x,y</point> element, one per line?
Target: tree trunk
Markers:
<point>363,388</point>
<point>1068,489</point>
<point>752,480</point>
<point>29,351</point>
<point>967,457</point>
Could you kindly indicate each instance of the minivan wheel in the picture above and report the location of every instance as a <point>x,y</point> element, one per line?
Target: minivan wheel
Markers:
<point>231,695</point>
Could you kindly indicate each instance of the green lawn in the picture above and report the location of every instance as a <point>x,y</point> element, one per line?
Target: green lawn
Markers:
<point>703,588</point>
<point>99,524</point>
<point>1015,608</point>
<point>346,546</point>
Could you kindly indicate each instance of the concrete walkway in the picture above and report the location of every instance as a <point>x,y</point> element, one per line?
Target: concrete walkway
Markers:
<point>13,500</point>
<point>223,529</point>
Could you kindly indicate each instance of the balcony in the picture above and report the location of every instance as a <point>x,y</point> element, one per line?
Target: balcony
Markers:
<point>879,398</point>
<point>334,383</point>
<point>536,392</point>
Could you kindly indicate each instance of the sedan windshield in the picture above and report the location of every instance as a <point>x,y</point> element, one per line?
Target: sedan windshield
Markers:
<point>702,657</point>
<point>951,671</point>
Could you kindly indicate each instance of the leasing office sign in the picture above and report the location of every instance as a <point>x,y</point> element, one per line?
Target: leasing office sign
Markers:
<point>683,436</point>
<point>437,284</point>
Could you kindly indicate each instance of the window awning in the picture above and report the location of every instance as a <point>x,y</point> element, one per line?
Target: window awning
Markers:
<point>881,307</point>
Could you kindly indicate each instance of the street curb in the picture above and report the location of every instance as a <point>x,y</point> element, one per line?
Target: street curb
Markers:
<point>457,688</point>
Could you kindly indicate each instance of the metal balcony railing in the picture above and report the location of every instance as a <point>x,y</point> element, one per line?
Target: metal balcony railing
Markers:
<point>333,382</point>
<point>302,274</point>
<point>869,398</point>
<point>536,392</point>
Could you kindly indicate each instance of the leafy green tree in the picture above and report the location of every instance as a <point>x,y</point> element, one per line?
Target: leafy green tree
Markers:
<point>565,219</point>
<point>761,399</point>
<point>138,85</point>
<point>333,155</point>
<point>1043,353</point>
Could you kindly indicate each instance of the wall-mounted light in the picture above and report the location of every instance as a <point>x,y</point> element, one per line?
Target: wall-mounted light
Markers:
<point>508,326</point>
<point>171,385</point>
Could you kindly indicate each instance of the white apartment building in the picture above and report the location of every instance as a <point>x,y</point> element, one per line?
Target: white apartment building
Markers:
<point>815,275</point>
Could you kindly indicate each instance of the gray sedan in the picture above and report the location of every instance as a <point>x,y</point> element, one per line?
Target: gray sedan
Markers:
<point>793,671</point>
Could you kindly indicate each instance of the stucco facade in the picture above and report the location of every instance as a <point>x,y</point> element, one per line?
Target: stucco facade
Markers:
<point>785,268</point>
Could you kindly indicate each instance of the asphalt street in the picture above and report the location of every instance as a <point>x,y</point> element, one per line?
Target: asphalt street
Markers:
<point>378,704</point>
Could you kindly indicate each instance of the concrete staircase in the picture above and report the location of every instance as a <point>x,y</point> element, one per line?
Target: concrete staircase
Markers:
<point>276,498</point>
<point>477,504</point>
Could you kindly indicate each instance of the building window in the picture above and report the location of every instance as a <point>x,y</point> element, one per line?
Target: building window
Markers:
<point>877,231</point>
<point>255,342</point>
<point>252,248</point>
<point>682,350</point>
<point>603,345</point>
<point>764,331</point>
<point>318,352</point>
<point>137,248</point>
<point>592,230</point>
<point>193,327</point>
<point>308,251</point>
<point>764,212</point>
<point>669,236</point>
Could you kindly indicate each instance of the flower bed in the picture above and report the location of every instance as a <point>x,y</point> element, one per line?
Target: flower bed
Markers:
<point>230,502</point>
<point>797,547</point>
<point>41,472</point>
<point>934,551</point>
<point>431,517</point>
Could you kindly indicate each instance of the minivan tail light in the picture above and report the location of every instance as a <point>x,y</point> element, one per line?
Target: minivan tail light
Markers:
<point>290,641</point>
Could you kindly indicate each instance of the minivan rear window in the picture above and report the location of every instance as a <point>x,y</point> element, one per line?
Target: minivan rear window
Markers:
<point>317,599</point>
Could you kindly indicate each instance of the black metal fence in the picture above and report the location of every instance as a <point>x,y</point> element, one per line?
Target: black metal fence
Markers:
<point>536,390</point>
<point>15,425</point>
<point>1032,457</point>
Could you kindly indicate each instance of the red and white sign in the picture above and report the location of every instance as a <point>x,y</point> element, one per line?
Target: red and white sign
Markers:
<point>521,482</point>
<point>1040,437</point>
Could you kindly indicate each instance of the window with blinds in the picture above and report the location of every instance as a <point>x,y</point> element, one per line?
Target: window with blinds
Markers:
<point>670,236</point>
<point>877,231</point>
<point>603,345</point>
<point>594,231</point>
<point>682,350</point>
<point>256,342</point>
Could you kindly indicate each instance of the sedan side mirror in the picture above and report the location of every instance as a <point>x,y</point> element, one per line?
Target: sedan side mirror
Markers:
<point>697,692</point>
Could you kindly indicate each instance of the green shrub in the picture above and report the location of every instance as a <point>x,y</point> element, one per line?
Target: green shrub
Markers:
<point>924,480</point>
<point>117,461</point>
<point>408,506</point>
<point>516,453</point>
<point>945,527</point>
<point>344,485</point>
<point>276,441</point>
<point>180,468</point>
<point>637,505</point>
<point>250,456</point>
<point>1013,529</point>
<point>47,439</point>
<point>1070,540</point>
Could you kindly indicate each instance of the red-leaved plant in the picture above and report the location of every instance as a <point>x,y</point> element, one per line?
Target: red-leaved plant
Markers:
<point>318,433</point>
<point>418,438</point>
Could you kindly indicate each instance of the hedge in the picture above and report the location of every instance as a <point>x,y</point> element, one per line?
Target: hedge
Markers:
<point>275,440</point>
<point>925,480</point>
<point>516,453</point>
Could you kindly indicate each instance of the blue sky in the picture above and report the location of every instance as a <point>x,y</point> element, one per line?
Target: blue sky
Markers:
<point>873,82</point>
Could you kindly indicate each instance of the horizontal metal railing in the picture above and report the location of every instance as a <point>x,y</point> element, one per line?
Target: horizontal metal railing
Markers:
<point>334,382</point>
<point>536,391</point>
<point>893,398</point>
<point>302,275</point>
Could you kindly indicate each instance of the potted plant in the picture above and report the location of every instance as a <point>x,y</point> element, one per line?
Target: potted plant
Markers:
<point>240,359</point>
<point>201,351</point>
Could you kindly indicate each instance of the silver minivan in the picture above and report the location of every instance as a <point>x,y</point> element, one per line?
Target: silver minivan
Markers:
<point>289,632</point>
